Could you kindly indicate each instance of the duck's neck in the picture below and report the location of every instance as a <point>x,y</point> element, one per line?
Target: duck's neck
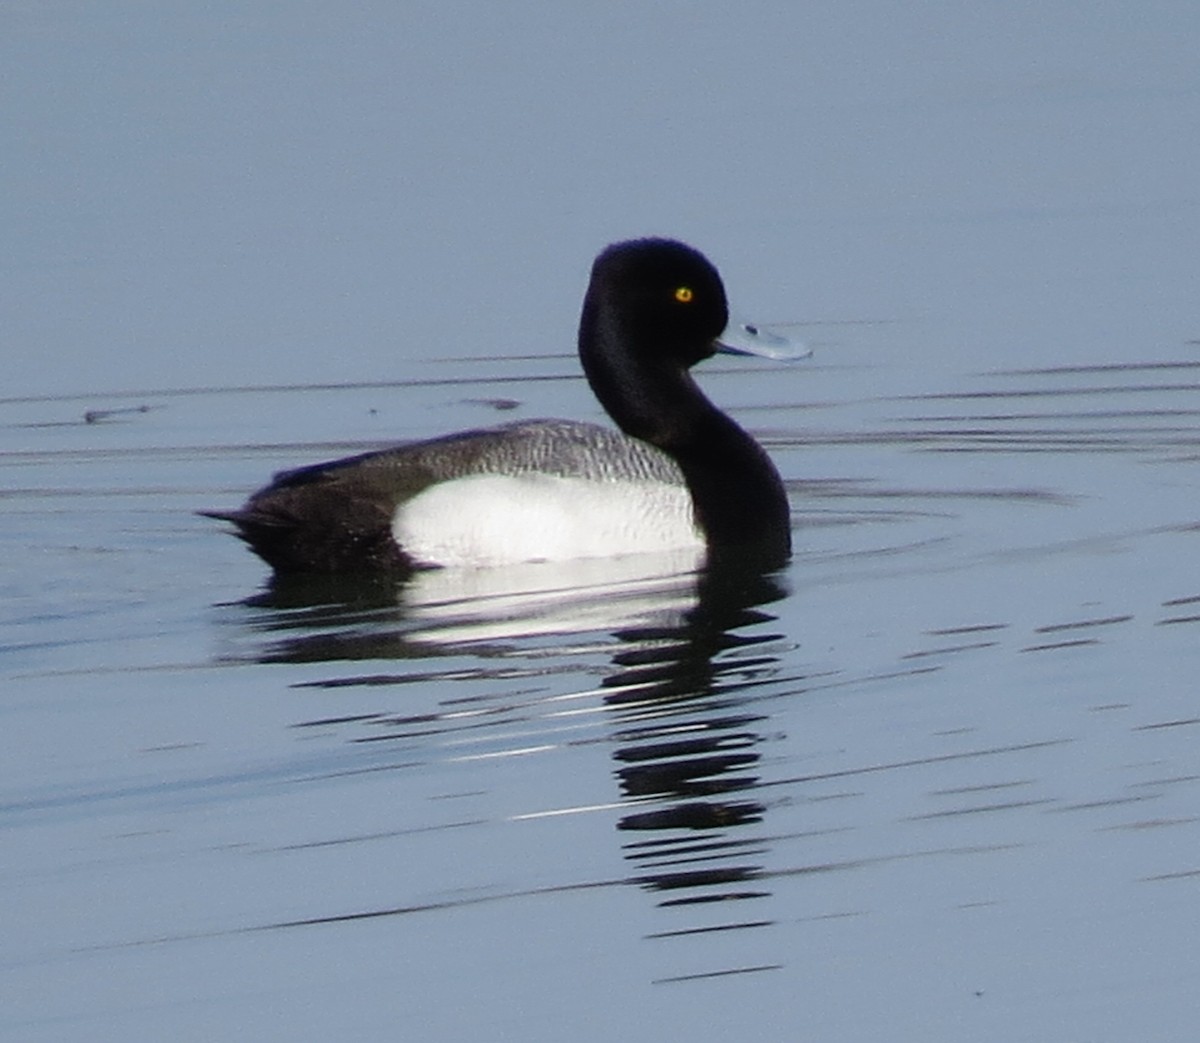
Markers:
<point>739,498</point>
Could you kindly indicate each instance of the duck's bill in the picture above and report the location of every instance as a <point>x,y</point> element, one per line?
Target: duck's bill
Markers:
<point>751,338</point>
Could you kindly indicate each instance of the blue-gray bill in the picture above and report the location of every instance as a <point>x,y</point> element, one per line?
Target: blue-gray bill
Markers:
<point>752,338</point>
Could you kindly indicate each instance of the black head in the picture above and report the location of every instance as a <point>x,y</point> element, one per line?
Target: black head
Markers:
<point>664,296</point>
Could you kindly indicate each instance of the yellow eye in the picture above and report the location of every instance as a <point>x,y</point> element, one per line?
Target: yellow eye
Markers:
<point>684,294</point>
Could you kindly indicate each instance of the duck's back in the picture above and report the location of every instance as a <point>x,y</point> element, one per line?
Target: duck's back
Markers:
<point>532,490</point>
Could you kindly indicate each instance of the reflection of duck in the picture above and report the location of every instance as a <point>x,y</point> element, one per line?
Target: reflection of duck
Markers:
<point>682,475</point>
<point>688,741</point>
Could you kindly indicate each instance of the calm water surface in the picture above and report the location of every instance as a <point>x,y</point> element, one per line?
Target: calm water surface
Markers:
<point>937,780</point>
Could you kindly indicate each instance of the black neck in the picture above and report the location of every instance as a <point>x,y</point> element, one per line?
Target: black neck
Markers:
<point>738,495</point>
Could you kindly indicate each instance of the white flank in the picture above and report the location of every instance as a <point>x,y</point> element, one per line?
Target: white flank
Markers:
<point>485,520</point>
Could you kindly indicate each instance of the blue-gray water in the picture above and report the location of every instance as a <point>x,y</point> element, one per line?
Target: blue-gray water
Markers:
<point>937,780</point>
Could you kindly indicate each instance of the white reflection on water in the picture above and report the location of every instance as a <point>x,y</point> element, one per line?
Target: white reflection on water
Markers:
<point>462,606</point>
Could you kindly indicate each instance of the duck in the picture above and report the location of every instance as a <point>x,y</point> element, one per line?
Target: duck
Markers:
<point>679,474</point>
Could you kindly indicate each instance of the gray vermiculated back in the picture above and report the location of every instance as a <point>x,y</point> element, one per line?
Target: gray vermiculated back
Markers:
<point>564,448</point>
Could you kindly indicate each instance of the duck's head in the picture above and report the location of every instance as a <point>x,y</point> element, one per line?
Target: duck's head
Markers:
<point>655,296</point>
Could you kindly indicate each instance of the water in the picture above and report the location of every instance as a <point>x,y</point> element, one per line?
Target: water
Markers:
<point>939,774</point>
<point>937,780</point>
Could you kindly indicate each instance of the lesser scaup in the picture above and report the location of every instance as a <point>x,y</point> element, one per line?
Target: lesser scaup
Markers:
<point>682,475</point>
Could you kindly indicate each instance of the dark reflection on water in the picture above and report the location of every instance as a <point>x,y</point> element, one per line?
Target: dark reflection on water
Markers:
<point>686,744</point>
<point>685,652</point>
